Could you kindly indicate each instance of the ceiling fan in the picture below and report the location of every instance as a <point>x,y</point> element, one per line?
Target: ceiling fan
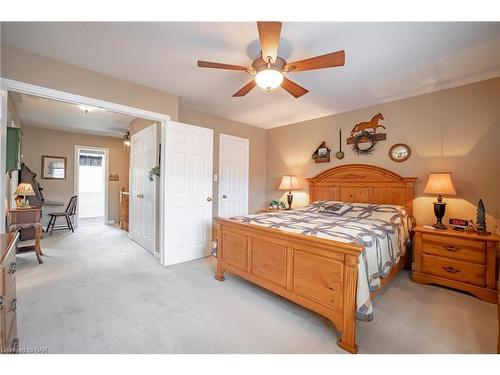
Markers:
<point>269,68</point>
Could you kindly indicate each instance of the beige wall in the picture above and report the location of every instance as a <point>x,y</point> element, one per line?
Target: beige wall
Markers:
<point>456,130</point>
<point>257,137</point>
<point>38,141</point>
<point>38,70</point>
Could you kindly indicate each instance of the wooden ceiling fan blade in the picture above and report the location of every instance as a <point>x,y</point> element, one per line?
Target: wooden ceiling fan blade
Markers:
<point>214,65</point>
<point>330,60</point>
<point>245,89</point>
<point>293,88</point>
<point>269,36</point>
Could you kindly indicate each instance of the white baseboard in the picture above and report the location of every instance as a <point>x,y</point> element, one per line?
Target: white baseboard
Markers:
<point>110,222</point>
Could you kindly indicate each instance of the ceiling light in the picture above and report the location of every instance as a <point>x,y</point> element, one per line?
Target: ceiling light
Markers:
<point>269,78</point>
<point>126,139</point>
<point>87,108</point>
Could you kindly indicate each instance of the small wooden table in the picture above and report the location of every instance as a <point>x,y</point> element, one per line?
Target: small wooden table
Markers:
<point>28,218</point>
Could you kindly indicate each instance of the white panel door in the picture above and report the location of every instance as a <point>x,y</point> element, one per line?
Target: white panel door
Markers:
<point>143,156</point>
<point>188,192</point>
<point>233,176</point>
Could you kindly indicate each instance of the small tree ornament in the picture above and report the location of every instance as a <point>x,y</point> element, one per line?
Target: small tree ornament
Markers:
<point>481,217</point>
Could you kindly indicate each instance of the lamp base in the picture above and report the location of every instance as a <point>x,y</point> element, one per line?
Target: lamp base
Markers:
<point>19,201</point>
<point>439,226</point>
<point>439,210</point>
<point>289,198</point>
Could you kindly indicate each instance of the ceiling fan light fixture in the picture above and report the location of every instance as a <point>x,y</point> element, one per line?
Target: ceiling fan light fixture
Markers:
<point>269,78</point>
<point>126,139</point>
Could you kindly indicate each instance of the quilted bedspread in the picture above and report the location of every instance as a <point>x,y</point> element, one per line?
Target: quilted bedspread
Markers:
<point>382,229</point>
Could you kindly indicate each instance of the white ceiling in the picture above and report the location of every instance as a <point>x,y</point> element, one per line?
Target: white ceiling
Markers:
<point>384,61</point>
<point>52,114</point>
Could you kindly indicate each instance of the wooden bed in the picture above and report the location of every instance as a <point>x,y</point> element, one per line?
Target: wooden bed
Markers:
<point>316,273</point>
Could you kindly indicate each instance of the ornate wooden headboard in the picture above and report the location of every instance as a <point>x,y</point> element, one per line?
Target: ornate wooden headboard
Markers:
<point>362,184</point>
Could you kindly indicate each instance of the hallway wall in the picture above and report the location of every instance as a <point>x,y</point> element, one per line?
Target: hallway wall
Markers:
<point>38,141</point>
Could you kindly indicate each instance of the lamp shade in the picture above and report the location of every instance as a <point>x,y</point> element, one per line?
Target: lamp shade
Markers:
<point>440,183</point>
<point>289,182</point>
<point>24,189</point>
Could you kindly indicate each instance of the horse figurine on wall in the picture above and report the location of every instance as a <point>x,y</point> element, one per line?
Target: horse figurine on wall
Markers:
<point>368,126</point>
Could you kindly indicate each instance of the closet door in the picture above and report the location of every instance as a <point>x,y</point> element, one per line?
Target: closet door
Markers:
<point>188,192</point>
<point>233,176</point>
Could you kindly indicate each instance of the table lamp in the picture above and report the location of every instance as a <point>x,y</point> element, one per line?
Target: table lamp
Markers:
<point>24,189</point>
<point>440,184</point>
<point>289,182</point>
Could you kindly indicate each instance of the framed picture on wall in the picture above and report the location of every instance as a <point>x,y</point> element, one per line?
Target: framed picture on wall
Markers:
<point>54,167</point>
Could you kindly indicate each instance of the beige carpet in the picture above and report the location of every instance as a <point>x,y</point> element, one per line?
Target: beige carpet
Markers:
<point>99,292</point>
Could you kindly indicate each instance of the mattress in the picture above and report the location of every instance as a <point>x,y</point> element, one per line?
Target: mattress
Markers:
<point>382,229</point>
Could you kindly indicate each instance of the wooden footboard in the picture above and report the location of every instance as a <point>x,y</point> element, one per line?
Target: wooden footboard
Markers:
<point>319,274</point>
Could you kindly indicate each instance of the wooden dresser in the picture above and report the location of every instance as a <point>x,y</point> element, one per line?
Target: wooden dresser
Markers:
<point>8,302</point>
<point>460,260</point>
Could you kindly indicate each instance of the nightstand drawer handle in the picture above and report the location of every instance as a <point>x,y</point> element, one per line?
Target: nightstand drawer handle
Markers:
<point>450,269</point>
<point>452,248</point>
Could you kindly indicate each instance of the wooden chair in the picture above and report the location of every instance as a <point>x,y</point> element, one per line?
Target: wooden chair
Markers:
<point>67,214</point>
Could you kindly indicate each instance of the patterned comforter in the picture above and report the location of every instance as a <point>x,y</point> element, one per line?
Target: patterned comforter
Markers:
<point>382,229</point>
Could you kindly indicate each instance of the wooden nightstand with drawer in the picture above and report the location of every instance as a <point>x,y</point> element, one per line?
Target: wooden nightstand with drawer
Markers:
<point>459,260</point>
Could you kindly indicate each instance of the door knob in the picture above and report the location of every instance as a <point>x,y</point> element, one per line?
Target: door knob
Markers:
<point>209,199</point>
<point>224,196</point>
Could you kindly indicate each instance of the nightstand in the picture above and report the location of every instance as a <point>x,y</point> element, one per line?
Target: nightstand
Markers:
<point>459,260</point>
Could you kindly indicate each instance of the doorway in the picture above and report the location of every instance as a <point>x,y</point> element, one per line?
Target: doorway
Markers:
<point>91,184</point>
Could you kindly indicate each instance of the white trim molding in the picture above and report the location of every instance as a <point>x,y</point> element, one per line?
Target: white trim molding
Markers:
<point>28,88</point>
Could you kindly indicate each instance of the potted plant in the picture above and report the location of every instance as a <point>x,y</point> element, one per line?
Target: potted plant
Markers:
<point>155,171</point>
